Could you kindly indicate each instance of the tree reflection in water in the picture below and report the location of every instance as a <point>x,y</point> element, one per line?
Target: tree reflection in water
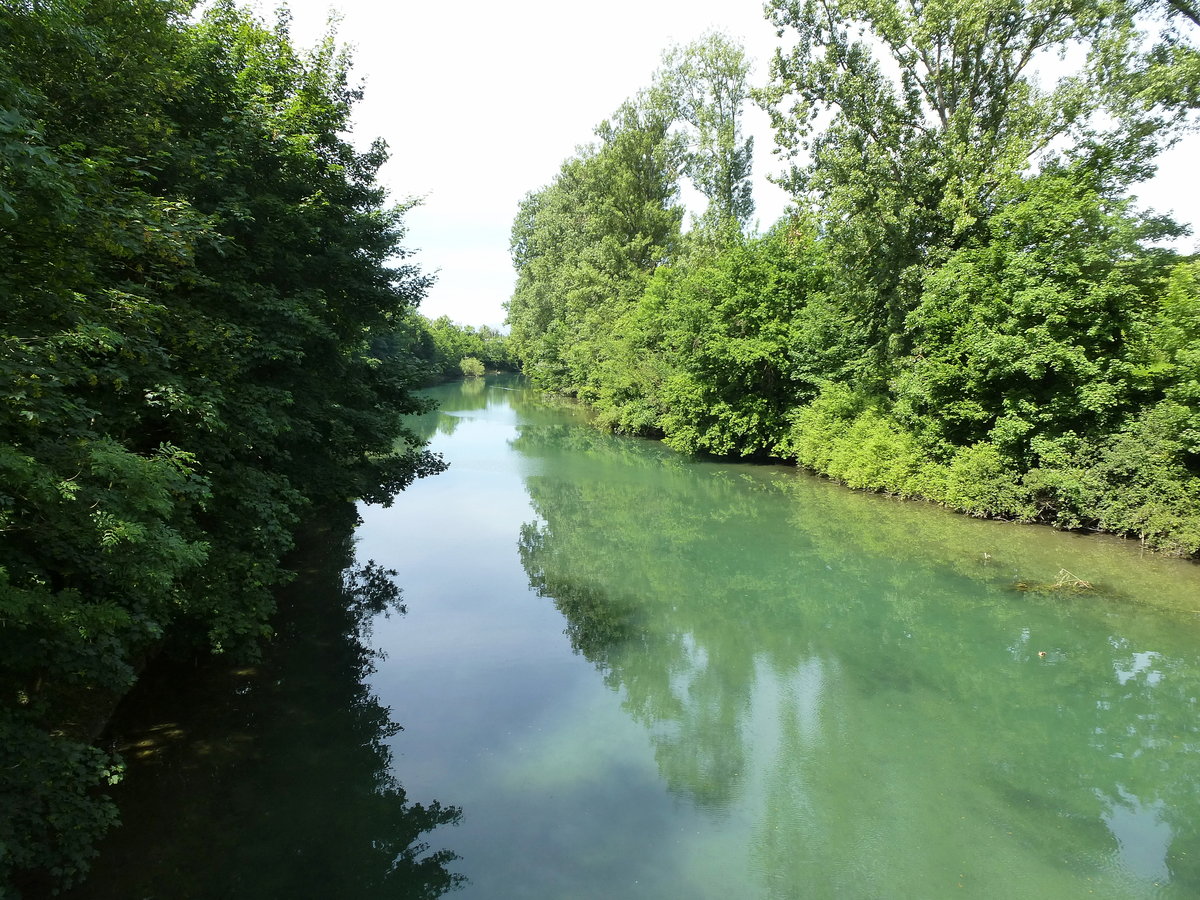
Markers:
<point>274,780</point>
<point>862,682</point>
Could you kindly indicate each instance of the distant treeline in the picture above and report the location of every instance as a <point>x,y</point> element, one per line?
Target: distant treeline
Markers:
<point>446,349</point>
<point>963,304</point>
<point>196,267</point>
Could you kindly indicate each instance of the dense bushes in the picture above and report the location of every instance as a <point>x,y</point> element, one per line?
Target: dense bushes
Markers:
<point>953,311</point>
<point>195,262</point>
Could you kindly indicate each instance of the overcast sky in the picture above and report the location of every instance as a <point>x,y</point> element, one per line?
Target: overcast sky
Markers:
<point>480,101</point>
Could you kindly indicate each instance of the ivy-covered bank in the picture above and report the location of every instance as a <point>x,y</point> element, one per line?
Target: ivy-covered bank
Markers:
<point>195,265</point>
<point>964,303</point>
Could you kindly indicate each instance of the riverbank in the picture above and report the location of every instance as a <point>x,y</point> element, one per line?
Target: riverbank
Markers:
<point>643,674</point>
<point>1091,491</point>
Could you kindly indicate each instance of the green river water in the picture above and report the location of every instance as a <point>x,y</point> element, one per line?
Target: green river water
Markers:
<point>627,673</point>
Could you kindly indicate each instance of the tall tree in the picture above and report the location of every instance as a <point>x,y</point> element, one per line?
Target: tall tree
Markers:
<point>705,85</point>
<point>1150,57</point>
<point>194,264</point>
<point>584,246</point>
<point>914,115</point>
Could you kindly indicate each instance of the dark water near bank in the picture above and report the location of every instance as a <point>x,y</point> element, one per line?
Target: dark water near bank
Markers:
<point>639,675</point>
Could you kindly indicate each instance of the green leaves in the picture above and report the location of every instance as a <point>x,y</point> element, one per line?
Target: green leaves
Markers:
<point>732,361</point>
<point>916,119</point>
<point>585,245</point>
<point>443,346</point>
<point>197,263</point>
<point>965,307</point>
<point>704,85</point>
<point>1175,350</point>
<point>1034,332</point>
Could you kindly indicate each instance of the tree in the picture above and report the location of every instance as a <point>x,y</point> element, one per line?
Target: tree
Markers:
<point>966,306</point>
<point>1176,345</point>
<point>196,265</point>
<point>906,168</point>
<point>1037,332</point>
<point>444,344</point>
<point>705,85</point>
<point>584,246</point>
<point>723,347</point>
<point>1151,57</point>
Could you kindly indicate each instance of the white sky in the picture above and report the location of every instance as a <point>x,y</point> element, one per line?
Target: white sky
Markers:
<point>480,101</point>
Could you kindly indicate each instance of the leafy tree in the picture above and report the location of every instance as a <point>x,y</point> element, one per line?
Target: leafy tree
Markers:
<point>584,246</point>
<point>196,263</point>
<point>1037,332</point>
<point>444,344</point>
<point>966,307</point>
<point>915,117</point>
<point>1176,343</point>
<point>731,339</point>
<point>1151,58</point>
<point>705,85</point>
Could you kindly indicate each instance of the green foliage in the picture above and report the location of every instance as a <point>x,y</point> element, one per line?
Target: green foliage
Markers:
<point>442,345</point>
<point>965,306</point>
<point>585,245</point>
<point>1136,481</point>
<point>1150,59</point>
<point>981,481</point>
<point>196,266</point>
<point>705,85</point>
<point>721,336</point>
<point>1141,480</point>
<point>850,438</point>
<point>1175,346</point>
<point>913,118</point>
<point>847,437</point>
<point>1034,333</point>
<point>471,367</point>
<point>52,817</point>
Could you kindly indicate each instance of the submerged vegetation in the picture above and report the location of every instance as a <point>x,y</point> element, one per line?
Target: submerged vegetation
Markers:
<point>198,271</point>
<point>963,304</point>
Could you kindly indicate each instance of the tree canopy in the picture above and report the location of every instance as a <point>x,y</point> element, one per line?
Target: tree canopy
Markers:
<point>964,303</point>
<point>196,263</point>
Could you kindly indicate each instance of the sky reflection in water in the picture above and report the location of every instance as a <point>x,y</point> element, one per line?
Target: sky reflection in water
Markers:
<point>644,675</point>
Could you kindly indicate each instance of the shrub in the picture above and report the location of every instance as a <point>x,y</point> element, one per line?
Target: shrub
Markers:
<point>983,482</point>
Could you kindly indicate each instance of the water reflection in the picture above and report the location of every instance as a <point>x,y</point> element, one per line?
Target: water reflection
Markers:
<point>864,683</point>
<point>457,401</point>
<point>275,780</point>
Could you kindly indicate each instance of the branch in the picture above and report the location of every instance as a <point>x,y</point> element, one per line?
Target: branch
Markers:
<point>1185,9</point>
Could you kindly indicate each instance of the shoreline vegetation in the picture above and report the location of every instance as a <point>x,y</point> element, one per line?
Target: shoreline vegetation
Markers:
<point>1064,581</point>
<point>209,330</point>
<point>964,303</point>
<point>210,318</point>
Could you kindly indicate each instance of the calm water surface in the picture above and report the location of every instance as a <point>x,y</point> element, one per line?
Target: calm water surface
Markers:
<point>640,675</point>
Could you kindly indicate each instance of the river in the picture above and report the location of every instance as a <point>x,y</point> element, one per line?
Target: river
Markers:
<point>630,674</point>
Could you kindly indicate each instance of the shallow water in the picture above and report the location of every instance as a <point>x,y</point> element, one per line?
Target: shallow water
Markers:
<point>642,675</point>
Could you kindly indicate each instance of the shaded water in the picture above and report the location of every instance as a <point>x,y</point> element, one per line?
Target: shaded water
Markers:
<point>641,675</point>
<point>274,780</point>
